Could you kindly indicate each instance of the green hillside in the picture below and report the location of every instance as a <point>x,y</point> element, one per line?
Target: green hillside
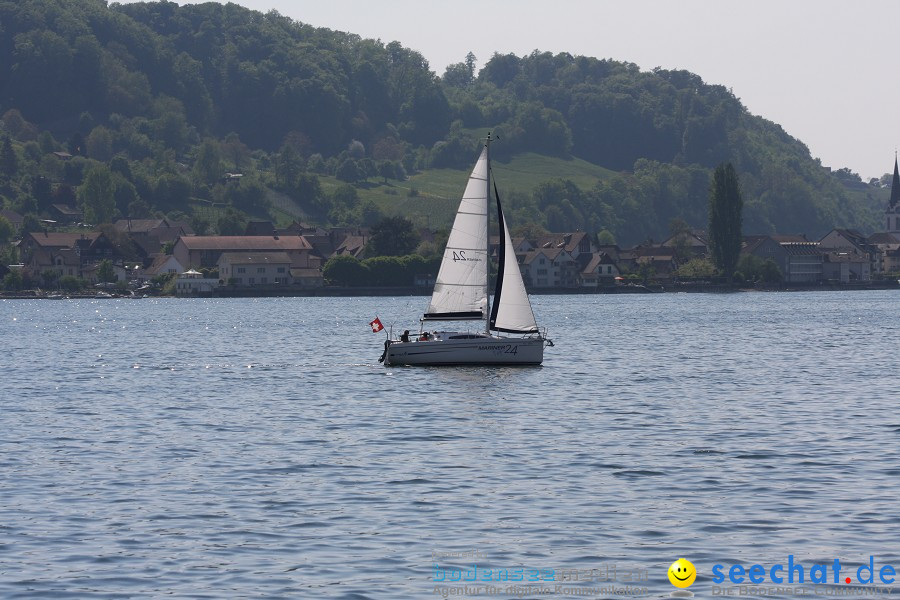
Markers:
<point>157,102</point>
<point>430,198</point>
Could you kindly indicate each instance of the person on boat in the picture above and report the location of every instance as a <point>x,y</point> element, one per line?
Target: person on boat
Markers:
<point>405,336</point>
<point>425,336</point>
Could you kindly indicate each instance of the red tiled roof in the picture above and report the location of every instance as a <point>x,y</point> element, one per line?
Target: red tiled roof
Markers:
<point>158,262</point>
<point>848,257</point>
<point>352,244</point>
<point>567,241</point>
<point>752,242</point>
<point>551,253</point>
<point>884,238</point>
<point>61,240</point>
<point>238,243</point>
<point>592,266</point>
<point>47,257</point>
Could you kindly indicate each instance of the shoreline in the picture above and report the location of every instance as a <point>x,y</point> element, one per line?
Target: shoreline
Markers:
<point>338,292</point>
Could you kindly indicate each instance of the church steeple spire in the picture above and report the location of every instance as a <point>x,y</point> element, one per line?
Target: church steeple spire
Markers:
<point>895,185</point>
<point>892,213</point>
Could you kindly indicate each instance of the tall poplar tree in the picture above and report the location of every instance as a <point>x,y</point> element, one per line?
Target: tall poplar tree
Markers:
<point>96,195</point>
<point>9,164</point>
<point>725,219</point>
<point>208,166</point>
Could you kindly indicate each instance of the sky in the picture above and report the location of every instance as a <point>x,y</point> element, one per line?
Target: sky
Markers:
<point>825,70</point>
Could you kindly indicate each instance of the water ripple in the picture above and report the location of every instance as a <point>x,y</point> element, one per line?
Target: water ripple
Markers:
<point>240,448</point>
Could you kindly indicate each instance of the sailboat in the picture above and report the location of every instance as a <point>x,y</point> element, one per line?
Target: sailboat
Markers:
<point>461,294</point>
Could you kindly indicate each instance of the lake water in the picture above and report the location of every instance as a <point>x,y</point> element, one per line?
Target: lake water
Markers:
<point>255,448</point>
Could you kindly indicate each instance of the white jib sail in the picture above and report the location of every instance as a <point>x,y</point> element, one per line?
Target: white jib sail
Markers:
<point>460,290</point>
<point>513,311</point>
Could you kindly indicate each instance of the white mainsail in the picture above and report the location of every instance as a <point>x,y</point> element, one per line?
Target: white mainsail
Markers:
<point>460,291</point>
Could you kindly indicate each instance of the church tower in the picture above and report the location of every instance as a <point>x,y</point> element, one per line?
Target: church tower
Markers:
<point>892,214</point>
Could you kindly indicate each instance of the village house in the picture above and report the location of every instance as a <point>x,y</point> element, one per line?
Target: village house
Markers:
<point>553,260</point>
<point>205,251</point>
<point>194,283</point>
<point>887,244</point>
<point>63,261</point>
<point>323,243</point>
<point>520,245</point>
<point>692,244</point>
<point>766,248</point>
<point>353,245</point>
<point>845,266</point>
<point>255,268</point>
<point>149,235</point>
<point>549,268</point>
<point>804,262</point>
<point>66,254</point>
<point>307,277</point>
<point>854,247</point>
<point>330,242</point>
<point>578,245</point>
<point>661,261</point>
<point>891,259</point>
<point>600,271</point>
<point>163,264</point>
<point>616,254</point>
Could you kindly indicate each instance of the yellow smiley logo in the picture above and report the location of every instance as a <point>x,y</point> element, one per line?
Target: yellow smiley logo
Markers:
<point>682,573</point>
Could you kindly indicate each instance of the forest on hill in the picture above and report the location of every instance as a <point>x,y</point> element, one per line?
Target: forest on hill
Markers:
<point>156,103</point>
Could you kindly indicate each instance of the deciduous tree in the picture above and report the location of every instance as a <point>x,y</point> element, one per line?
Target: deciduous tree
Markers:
<point>6,230</point>
<point>392,236</point>
<point>232,223</point>
<point>106,273</point>
<point>208,167</point>
<point>345,270</point>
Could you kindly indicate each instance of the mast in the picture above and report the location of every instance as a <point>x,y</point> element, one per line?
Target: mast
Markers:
<point>487,238</point>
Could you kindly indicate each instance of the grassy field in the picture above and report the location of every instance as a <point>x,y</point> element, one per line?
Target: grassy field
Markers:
<point>430,198</point>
